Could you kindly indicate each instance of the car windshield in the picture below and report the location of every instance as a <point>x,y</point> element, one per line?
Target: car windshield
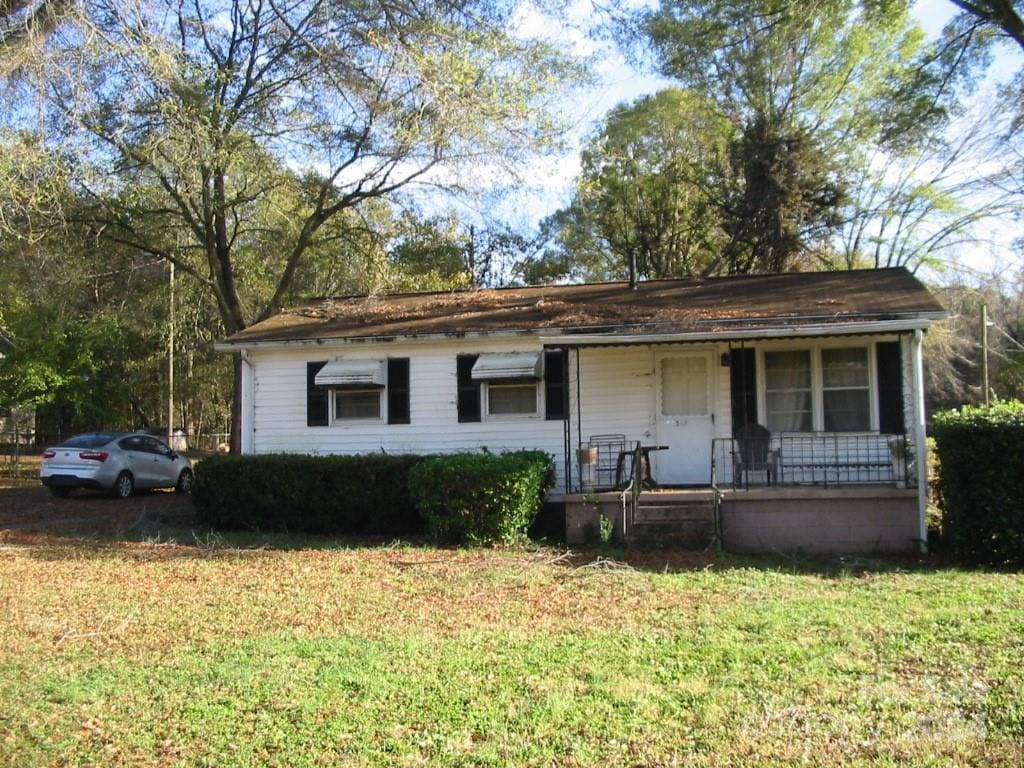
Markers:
<point>92,440</point>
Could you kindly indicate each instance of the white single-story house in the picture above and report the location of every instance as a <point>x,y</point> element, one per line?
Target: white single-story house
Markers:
<point>762,412</point>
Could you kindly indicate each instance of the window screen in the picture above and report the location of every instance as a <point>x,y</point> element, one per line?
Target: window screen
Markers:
<point>357,404</point>
<point>511,399</point>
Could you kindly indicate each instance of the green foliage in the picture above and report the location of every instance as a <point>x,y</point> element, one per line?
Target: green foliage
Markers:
<point>79,372</point>
<point>322,494</point>
<point>84,328</point>
<point>605,531</point>
<point>787,197</point>
<point>646,192</point>
<point>480,498</point>
<point>818,97</point>
<point>981,479</point>
<point>831,65</point>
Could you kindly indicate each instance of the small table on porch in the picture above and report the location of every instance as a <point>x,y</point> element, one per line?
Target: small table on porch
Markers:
<point>647,481</point>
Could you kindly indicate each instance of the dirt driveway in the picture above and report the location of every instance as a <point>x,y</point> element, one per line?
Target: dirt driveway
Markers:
<point>35,509</point>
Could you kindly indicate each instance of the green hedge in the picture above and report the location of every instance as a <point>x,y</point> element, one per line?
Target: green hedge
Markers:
<point>981,481</point>
<point>315,494</point>
<point>480,498</point>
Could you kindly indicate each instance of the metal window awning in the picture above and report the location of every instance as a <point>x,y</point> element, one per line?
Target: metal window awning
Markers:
<point>508,365</point>
<point>352,374</point>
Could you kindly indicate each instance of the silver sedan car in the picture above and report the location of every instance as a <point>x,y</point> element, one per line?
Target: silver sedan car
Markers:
<point>116,462</point>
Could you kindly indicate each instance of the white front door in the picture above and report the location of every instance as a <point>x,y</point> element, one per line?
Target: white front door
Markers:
<point>685,419</point>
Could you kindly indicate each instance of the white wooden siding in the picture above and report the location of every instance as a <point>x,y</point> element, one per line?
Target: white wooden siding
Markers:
<point>618,396</point>
<point>619,391</point>
<point>279,409</point>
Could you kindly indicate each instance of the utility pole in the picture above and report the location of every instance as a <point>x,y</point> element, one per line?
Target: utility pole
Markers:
<point>984,351</point>
<point>170,366</point>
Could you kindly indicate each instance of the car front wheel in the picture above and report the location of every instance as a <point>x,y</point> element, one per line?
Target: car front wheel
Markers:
<point>59,492</point>
<point>185,480</point>
<point>124,485</point>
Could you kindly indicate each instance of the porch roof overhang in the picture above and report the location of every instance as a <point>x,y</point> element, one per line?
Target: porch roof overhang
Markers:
<point>614,338</point>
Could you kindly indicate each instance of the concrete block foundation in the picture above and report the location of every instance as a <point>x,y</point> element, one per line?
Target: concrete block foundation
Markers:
<point>813,520</point>
<point>860,520</point>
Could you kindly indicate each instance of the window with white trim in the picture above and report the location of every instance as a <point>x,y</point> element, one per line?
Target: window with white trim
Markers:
<point>819,389</point>
<point>788,396</point>
<point>512,399</point>
<point>357,404</point>
<point>845,389</point>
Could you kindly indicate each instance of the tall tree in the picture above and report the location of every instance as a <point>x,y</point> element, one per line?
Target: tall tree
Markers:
<point>24,22</point>
<point>252,125</point>
<point>928,206</point>
<point>786,200</point>
<point>1004,16</point>
<point>645,200</point>
<point>809,93</point>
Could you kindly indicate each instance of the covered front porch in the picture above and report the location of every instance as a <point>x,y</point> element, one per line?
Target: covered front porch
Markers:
<point>806,439</point>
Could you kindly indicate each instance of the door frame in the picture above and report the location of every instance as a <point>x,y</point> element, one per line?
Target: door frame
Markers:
<point>709,354</point>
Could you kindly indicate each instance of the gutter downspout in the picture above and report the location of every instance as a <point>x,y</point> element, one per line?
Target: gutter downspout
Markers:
<point>920,441</point>
<point>248,403</point>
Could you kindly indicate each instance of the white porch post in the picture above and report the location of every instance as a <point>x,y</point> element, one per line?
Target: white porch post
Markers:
<point>920,441</point>
<point>248,395</point>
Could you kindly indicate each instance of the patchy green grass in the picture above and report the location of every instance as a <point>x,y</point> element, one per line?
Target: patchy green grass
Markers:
<point>156,654</point>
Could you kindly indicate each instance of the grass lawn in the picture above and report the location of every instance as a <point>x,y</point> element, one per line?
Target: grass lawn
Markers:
<point>311,653</point>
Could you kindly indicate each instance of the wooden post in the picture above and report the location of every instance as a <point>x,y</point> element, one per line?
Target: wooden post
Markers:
<point>170,365</point>
<point>920,441</point>
<point>984,353</point>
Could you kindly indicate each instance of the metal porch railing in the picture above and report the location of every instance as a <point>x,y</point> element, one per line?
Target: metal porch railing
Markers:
<point>814,458</point>
<point>631,493</point>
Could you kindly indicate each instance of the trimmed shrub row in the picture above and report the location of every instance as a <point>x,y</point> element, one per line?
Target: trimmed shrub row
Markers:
<point>465,498</point>
<point>312,494</point>
<point>480,498</point>
<point>981,481</point>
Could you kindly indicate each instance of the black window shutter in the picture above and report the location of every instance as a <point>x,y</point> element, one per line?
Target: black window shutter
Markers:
<point>556,385</point>
<point>398,390</point>
<point>890,388</point>
<point>468,390</point>
<point>743,386</point>
<point>316,397</point>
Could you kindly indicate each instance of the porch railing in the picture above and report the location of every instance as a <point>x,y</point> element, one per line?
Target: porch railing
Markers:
<point>814,458</point>
<point>631,493</point>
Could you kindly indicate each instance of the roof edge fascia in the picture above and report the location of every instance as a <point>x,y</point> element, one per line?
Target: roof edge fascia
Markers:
<point>768,332</point>
<point>580,338</point>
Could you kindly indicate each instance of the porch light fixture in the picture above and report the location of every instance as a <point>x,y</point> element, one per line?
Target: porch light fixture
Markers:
<point>726,360</point>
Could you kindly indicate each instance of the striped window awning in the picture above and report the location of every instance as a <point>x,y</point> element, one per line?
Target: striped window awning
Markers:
<point>508,365</point>
<point>352,374</point>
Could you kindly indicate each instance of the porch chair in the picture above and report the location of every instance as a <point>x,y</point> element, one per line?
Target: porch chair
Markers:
<point>752,452</point>
<point>612,457</point>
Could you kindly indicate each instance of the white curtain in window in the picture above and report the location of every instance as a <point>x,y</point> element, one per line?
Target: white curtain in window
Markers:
<point>684,386</point>
<point>512,400</point>
<point>788,403</point>
<point>845,389</point>
<point>357,404</point>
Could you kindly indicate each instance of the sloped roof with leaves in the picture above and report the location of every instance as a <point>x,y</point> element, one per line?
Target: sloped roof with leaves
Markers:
<point>654,306</point>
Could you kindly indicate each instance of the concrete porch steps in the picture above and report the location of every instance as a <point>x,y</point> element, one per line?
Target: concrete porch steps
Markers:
<point>680,519</point>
